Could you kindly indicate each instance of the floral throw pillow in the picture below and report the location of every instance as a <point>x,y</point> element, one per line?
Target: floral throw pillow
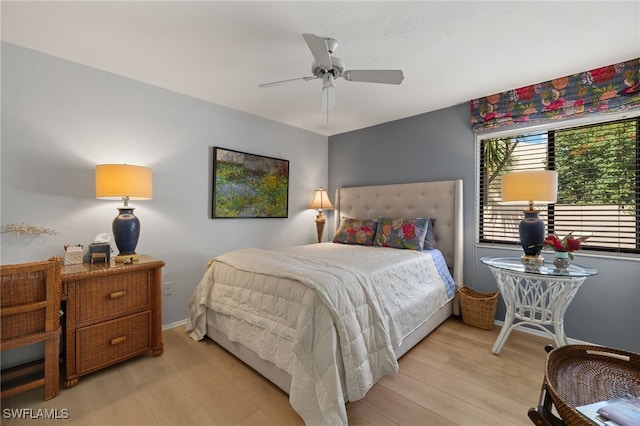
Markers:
<point>356,231</point>
<point>402,233</point>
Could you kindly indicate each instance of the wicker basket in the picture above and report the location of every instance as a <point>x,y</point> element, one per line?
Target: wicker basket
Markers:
<point>478,308</point>
<point>578,375</point>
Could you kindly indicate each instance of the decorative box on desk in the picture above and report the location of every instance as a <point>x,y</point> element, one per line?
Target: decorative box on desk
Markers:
<point>113,312</point>
<point>73,255</point>
<point>99,252</point>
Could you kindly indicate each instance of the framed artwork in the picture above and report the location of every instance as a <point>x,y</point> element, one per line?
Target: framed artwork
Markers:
<point>249,186</point>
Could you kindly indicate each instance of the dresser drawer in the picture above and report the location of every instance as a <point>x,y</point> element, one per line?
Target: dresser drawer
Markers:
<point>112,341</point>
<point>103,298</point>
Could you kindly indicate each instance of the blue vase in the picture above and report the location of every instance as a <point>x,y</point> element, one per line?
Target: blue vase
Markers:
<point>126,231</point>
<point>531,231</point>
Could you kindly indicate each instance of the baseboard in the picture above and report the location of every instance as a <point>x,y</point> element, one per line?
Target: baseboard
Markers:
<point>174,324</point>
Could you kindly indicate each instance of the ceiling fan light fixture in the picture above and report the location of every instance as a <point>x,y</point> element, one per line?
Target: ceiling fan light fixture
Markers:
<point>337,68</point>
<point>328,81</point>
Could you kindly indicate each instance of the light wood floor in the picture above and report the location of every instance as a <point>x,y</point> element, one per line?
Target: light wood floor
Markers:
<point>450,378</point>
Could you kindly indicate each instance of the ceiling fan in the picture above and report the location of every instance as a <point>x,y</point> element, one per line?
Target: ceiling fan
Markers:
<point>328,68</point>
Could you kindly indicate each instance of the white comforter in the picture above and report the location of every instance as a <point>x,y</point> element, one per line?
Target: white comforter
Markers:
<point>338,307</point>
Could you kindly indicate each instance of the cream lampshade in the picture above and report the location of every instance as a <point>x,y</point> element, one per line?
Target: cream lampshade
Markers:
<point>126,182</point>
<point>320,202</point>
<point>531,186</point>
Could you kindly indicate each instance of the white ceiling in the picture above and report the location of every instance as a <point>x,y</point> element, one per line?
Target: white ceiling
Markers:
<point>450,51</point>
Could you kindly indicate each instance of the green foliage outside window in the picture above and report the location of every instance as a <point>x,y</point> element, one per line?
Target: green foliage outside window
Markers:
<point>596,165</point>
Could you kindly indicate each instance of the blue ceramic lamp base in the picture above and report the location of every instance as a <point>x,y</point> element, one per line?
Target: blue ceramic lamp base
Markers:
<point>126,232</point>
<point>531,230</point>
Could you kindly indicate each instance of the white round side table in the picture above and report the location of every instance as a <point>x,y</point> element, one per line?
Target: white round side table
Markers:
<point>536,295</point>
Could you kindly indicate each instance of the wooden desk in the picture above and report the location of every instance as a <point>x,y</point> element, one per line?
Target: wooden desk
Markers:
<point>113,313</point>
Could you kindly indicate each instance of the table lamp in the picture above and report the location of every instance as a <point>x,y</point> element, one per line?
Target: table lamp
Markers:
<point>126,182</point>
<point>320,201</point>
<point>532,186</point>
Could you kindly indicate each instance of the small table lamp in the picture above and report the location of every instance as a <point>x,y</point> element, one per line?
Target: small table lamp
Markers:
<point>531,186</point>
<point>320,201</point>
<point>126,182</point>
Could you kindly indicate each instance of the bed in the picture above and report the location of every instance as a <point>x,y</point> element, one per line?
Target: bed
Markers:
<point>322,321</point>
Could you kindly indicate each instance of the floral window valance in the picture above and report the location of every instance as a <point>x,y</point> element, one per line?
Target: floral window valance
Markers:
<point>602,90</point>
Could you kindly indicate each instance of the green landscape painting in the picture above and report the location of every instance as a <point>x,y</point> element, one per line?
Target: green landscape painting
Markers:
<point>249,186</point>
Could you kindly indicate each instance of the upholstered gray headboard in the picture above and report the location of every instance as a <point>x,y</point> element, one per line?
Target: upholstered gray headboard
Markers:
<point>440,200</point>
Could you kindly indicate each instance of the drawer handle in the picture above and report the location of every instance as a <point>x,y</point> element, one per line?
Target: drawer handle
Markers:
<point>118,294</point>
<point>118,340</point>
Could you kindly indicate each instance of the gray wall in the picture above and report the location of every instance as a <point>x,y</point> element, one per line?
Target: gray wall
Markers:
<point>60,119</point>
<point>440,145</point>
<point>409,150</point>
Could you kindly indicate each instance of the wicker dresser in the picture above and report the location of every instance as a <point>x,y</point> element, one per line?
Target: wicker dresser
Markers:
<point>113,312</point>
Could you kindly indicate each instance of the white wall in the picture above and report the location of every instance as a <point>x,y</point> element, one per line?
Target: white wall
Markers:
<point>60,119</point>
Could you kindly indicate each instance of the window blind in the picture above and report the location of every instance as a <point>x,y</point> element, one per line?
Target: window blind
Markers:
<point>598,169</point>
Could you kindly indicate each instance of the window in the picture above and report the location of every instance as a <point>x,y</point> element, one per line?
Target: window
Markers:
<point>598,169</point>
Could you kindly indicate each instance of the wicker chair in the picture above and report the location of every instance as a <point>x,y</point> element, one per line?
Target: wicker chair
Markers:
<point>30,313</point>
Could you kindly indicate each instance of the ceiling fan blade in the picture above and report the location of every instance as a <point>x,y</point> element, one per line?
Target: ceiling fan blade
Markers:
<point>319,50</point>
<point>276,83</point>
<point>375,76</point>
